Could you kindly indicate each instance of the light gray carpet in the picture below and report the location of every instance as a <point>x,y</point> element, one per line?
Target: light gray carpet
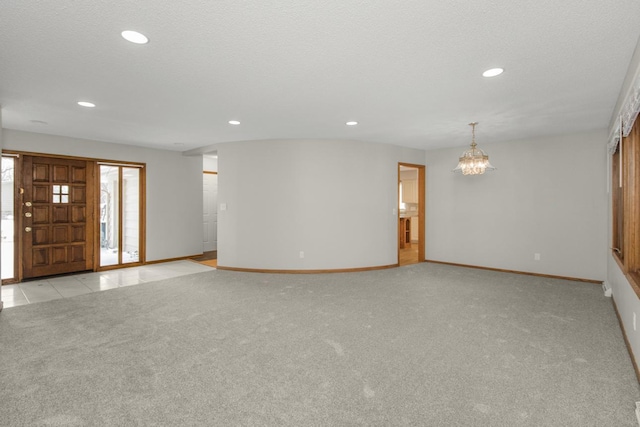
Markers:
<point>424,345</point>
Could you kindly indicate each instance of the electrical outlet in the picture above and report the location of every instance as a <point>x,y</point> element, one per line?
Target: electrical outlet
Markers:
<point>301,254</point>
<point>536,257</point>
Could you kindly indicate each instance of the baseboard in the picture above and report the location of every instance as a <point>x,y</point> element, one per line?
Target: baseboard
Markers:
<point>626,340</point>
<point>551,276</point>
<point>181,258</point>
<point>323,271</point>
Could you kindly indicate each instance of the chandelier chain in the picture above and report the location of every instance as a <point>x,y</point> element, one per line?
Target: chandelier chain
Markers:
<point>473,134</point>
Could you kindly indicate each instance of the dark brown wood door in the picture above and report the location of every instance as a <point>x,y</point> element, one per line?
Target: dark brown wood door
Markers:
<point>57,223</point>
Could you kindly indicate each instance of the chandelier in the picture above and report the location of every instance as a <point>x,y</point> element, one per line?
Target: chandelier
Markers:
<point>473,161</point>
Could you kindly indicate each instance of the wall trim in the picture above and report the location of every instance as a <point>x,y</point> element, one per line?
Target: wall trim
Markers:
<point>125,163</point>
<point>632,279</point>
<point>322,271</point>
<point>626,340</point>
<point>180,258</point>
<point>551,276</point>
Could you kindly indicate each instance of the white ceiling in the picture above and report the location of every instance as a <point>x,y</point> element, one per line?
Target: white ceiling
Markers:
<point>409,71</point>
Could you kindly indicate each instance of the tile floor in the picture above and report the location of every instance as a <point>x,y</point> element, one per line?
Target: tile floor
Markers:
<point>84,283</point>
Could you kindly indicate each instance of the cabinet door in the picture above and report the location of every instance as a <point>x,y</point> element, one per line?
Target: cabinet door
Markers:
<point>409,191</point>
<point>414,228</point>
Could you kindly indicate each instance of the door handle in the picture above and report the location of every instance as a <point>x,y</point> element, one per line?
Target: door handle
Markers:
<point>27,229</point>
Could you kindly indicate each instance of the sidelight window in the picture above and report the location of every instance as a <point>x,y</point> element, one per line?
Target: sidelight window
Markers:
<point>120,214</point>
<point>8,217</point>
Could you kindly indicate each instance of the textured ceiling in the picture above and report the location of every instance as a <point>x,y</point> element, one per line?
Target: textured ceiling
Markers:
<point>408,71</point>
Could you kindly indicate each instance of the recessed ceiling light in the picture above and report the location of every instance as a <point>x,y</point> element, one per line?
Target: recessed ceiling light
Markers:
<point>86,104</point>
<point>234,122</point>
<point>39,122</point>
<point>493,72</point>
<point>351,123</point>
<point>135,37</point>
<point>179,144</point>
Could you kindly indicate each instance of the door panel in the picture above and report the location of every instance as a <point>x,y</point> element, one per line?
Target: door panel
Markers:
<point>60,235</point>
<point>57,228</point>
<point>40,193</point>
<point>60,214</point>
<point>40,214</point>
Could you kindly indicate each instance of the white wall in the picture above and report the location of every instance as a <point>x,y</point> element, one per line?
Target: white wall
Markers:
<point>209,164</point>
<point>174,187</point>
<point>625,297</point>
<point>627,303</point>
<point>548,196</point>
<point>333,200</point>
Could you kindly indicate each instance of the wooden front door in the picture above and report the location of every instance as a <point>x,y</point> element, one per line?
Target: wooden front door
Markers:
<point>57,216</point>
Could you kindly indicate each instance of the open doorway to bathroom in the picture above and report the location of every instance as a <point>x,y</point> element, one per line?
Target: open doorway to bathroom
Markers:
<point>411,213</point>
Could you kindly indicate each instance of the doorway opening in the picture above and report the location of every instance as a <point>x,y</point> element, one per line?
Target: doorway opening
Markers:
<point>209,217</point>
<point>210,211</point>
<point>411,213</point>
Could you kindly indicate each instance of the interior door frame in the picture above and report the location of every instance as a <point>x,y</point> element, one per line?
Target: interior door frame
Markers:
<point>18,200</point>
<point>421,209</point>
